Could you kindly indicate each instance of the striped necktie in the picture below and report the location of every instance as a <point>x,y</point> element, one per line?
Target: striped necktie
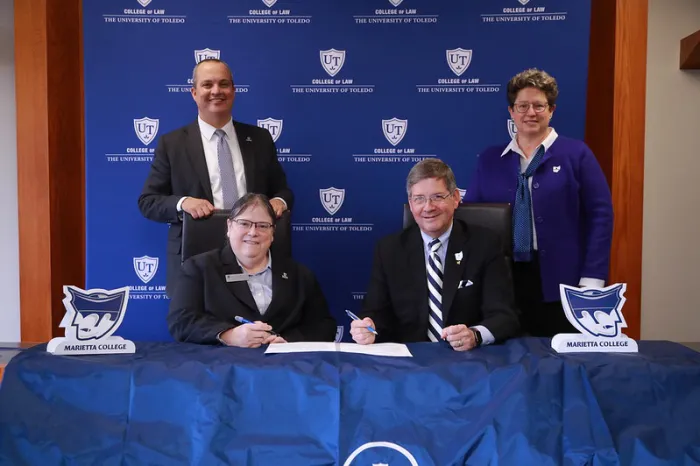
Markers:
<point>229,185</point>
<point>435,292</point>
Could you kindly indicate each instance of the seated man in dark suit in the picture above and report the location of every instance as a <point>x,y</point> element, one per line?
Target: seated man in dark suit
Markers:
<point>439,279</point>
<point>281,299</point>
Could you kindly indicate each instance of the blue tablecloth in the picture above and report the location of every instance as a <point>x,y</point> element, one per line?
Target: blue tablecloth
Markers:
<point>512,404</point>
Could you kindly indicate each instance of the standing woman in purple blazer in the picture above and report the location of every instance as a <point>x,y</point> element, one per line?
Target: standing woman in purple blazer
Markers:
<point>562,208</point>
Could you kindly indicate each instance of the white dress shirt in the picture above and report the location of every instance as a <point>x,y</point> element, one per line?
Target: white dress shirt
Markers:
<point>209,142</point>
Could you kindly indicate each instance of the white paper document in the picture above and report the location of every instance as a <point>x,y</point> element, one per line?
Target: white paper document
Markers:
<point>300,347</point>
<point>379,349</point>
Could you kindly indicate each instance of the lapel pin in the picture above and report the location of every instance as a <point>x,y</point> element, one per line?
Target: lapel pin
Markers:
<point>284,275</point>
<point>458,257</point>
<point>556,169</point>
<point>248,139</point>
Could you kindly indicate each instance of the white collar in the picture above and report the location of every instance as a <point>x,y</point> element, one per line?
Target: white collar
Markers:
<point>208,130</point>
<point>427,239</point>
<point>547,143</point>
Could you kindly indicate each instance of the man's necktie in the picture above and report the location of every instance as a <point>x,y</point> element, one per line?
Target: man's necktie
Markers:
<point>435,292</point>
<point>229,186</point>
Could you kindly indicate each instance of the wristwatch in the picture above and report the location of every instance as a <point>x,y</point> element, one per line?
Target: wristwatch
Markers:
<point>477,337</point>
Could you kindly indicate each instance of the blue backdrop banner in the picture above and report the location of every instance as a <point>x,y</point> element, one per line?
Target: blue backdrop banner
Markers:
<point>354,92</point>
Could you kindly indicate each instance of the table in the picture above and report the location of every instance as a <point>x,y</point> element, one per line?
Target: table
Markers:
<point>512,404</point>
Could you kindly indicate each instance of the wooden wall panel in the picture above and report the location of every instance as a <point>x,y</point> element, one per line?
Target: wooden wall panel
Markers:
<point>600,92</point>
<point>628,153</point>
<point>31,89</point>
<point>50,154</point>
<point>615,118</point>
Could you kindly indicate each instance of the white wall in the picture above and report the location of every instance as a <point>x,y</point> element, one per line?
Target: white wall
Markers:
<point>9,243</point>
<point>671,244</point>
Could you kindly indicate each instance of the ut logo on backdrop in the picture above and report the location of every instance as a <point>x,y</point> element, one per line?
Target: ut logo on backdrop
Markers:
<point>394,130</point>
<point>206,54</point>
<point>273,126</point>
<point>459,60</point>
<point>332,199</point>
<point>146,267</point>
<point>512,130</point>
<point>146,129</point>
<point>332,61</point>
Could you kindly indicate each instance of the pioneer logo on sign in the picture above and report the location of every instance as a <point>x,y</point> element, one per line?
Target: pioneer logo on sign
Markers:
<point>597,314</point>
<point>92,316</point>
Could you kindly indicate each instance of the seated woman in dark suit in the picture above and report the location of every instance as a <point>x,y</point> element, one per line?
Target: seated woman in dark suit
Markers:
<point>243,280</point>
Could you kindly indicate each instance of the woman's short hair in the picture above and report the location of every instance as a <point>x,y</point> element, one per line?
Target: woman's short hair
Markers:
<point>431,168</point>
<point>538,79</point>
<point>250,200</point>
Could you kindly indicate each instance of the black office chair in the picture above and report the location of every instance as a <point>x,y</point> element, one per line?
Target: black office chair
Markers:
<point>495,217</point>
<point>205,234</point>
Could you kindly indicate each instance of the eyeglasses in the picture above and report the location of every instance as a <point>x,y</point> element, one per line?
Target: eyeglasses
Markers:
<point>522,107</point>
<point>247,224</point>
<point>434,198</point>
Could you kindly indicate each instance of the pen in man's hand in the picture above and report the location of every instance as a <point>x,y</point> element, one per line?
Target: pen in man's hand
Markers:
<point>354,317</point>
<point>246,321</point>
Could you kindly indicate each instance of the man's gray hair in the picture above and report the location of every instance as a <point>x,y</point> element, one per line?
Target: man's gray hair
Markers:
<point>431,168</point>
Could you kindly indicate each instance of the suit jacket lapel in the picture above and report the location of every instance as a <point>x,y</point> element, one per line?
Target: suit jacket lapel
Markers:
<point>245,143</point>
<point>453,270</point>
<point>416,264</point>
<point>195,152</point>
<point>240,288</point>
<point>283,284</point>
